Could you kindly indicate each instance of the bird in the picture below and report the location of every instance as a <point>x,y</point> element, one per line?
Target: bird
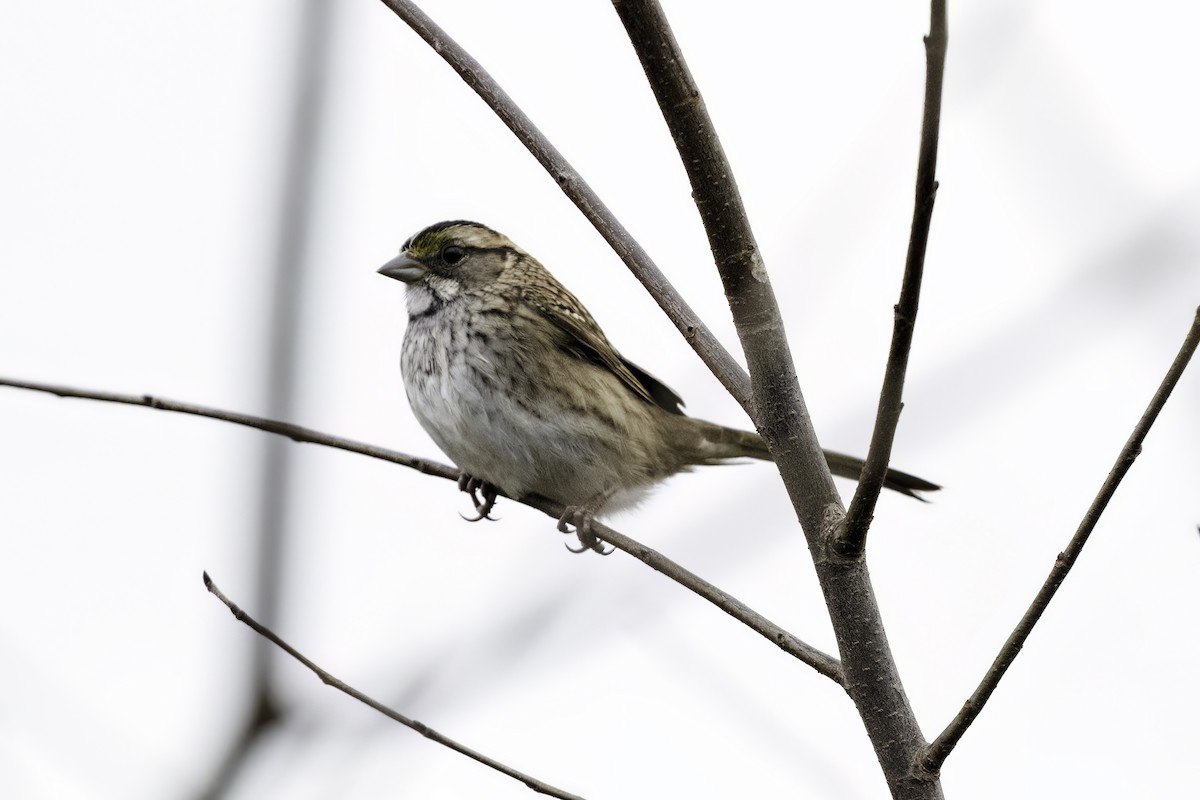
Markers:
<point>517,384</point>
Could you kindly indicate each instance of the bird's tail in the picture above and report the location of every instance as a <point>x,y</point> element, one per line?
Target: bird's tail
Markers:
<point>721,444</point>
<point>851,467</point>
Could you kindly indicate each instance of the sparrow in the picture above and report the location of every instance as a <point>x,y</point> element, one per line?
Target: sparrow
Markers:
<point>515,381</point>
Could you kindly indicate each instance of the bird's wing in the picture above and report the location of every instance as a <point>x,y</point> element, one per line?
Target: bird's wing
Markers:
<point>662,395</point>
<point>585,340</point>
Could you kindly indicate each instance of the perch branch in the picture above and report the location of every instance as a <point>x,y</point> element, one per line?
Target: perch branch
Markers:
<point>821,662</point>
<point>293,432</point>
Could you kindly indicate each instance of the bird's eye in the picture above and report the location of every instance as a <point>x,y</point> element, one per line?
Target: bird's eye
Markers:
<point>453,254</point>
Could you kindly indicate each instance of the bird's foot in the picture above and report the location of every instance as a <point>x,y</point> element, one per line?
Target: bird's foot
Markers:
<point>483,496</point>
<point>578,520</point>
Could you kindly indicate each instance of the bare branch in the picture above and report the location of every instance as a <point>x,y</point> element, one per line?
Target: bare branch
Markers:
<point>825,664</point>
<point>851,539</point>
<point>870,673</point>
<point>735,251</point>
<point>821,662</point>
<point>701,339</point>
<point>293,432</point>
<point>937,752</point>
<point>419,727</point>
<point>779,411</point>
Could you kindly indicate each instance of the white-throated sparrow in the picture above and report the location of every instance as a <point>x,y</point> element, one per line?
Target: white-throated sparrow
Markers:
<point>518,385</point>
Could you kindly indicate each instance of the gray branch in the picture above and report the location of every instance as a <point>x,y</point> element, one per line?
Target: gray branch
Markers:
<point>851,539</point>
<point>871,676</point>
<point>823,663</point>
<point>420,727</point>
<point>942,746</point>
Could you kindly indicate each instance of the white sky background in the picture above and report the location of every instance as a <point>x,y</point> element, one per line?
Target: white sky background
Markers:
<point>139,166</point>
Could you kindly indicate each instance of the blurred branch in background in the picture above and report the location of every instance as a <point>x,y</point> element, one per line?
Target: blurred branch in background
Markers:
<point>309,67</point>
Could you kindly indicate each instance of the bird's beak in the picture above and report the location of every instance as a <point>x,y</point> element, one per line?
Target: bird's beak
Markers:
<point>403,268</point>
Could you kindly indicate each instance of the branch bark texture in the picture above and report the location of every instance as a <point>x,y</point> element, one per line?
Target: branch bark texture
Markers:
<point>871,675</point>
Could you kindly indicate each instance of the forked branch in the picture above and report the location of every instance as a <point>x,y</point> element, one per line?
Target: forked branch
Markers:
<point>871,676</point>
<point>937,752</point>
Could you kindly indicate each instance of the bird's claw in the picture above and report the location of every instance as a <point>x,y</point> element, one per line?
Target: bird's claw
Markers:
<point>476,487</point>
<point>575,519</point>
<point>581,517</point>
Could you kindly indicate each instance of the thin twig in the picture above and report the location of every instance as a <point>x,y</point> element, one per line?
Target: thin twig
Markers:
<point>293,432</point>
<point>823,663</point>
<point>851,538</point>
<point>701,339</point>
<point>421,728</point>
<point>937,752</point>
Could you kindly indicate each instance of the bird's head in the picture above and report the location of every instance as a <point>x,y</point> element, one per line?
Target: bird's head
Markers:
<point>446,258</point>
